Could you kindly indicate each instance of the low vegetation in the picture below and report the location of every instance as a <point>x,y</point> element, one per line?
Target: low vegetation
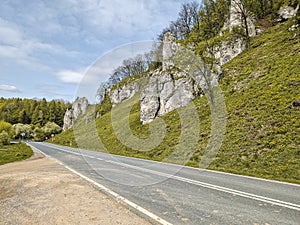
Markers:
<point>14,152</point>
<point>262,137</point>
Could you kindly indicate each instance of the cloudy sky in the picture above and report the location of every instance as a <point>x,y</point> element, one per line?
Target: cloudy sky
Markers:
<point>46,47</point>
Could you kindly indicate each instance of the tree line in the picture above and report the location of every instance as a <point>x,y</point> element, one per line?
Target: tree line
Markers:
<point>30,119</point>
<point>35,112</point>
<point>206,20</point>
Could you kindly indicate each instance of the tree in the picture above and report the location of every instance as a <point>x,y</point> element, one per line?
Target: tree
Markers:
<point>39,134</point>
<point>51,128</point>
<point>6,132</point>
<point>187,20</point>
<point>20,129</point>
<point>213,15</point>
<point>242,10</point>
<point>24,118</point>
<point>4,138</point>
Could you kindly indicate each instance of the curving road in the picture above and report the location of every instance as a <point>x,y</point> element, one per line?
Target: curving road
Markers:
<point>173,194</point>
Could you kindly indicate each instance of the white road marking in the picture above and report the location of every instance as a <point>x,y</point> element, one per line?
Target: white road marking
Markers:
<point>202,184</point>
<point>193,168</point>
<point>110,192</point>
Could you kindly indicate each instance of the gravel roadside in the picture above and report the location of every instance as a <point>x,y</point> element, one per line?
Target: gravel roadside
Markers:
<point>40,191</point>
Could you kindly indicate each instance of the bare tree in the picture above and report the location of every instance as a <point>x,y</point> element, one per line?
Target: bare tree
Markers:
<point>240,8</point>
<point>188,19</point>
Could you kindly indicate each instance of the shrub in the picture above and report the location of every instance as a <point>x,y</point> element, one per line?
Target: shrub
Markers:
<point>4,138</point>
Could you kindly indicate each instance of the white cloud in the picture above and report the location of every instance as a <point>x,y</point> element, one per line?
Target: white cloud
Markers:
<point>69,76</point>
<point>8,88</point>
<point>27,51</point>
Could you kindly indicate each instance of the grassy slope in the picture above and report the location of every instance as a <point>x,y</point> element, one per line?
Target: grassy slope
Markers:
<point>262,136</point>
<point>14,152</point>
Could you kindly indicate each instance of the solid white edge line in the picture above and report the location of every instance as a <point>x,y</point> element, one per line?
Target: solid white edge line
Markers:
<point>193,168</point>
<point>110,192</point>
<point>206,185</point>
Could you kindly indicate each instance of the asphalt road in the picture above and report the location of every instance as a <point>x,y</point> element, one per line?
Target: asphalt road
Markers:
<point>184,195</point>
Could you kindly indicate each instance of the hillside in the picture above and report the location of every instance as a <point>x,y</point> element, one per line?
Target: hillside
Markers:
<point>262,136</point>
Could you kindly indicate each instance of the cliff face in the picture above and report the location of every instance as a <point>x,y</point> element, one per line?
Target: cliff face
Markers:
<point>165,92</point>
<point>236,12</point>
<point>79,107</point>
<point>124,93</point>
<point>170,88</point>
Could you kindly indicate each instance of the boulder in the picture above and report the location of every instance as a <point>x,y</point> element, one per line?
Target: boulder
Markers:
<point>287,12</point>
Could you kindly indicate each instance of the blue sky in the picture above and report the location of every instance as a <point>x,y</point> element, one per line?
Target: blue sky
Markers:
<point>47,46</point>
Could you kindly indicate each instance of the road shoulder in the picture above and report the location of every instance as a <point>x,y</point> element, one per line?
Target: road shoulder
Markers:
<point>40,191</point>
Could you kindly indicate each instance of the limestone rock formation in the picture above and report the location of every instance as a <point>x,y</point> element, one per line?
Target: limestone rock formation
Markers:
<point>68,119</point>
<point>236,20</point>
<point>228,50</point>
<point>170,48</point>
<point>79,107</point>
<point>166,92</point>
<point>287,12</point>
<point>170,88</point>
<point>124,93</point>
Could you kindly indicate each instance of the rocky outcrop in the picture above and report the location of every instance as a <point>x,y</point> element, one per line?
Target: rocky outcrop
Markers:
<point>79,107</point>
<point>124,93</point>
<point>68,119</point>
<point>236,12</point>
<point>166,92</point>
<point>287,12</point>
<point>170,88</point>
<point>229,49</point>
<point>170,48</point>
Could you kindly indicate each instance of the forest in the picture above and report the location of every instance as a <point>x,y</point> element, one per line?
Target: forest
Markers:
<point>29,118</point>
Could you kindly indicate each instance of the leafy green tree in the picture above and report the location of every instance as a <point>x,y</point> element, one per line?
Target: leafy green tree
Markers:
<point>24,117</point>
<point>4,138</point>
<point>51,128</point>
<point>6,132</point>
<point>52,111</point>
<point>39,134</point>
<point>20,129</point>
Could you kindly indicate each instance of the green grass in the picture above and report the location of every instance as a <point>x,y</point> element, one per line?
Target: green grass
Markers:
<point>14,152</point>
<point>262,135</point>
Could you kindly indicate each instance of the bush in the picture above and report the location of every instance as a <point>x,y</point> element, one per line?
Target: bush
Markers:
<point>51,128</point>
<point>39,134</point>
<point>6,133</point>
<point>4,138</point>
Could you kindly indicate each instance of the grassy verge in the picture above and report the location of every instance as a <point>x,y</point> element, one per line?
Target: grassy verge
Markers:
<point>262,136</point>
<point>14,152</point>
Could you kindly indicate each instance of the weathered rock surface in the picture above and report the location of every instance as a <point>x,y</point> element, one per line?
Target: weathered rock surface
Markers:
<point>287,12</point>
<point>236,19</point>
<point>123,93</point>
<point>68,119</point>
<point>170,48</point>
<point>166,92</point>
<point>168,88</point>
<point>229,49</point>
<point>79,107</point>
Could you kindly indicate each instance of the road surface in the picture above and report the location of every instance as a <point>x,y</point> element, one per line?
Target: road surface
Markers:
<point>182,195</point>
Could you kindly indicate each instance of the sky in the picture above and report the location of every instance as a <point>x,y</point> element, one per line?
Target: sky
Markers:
<point>48,47</point>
